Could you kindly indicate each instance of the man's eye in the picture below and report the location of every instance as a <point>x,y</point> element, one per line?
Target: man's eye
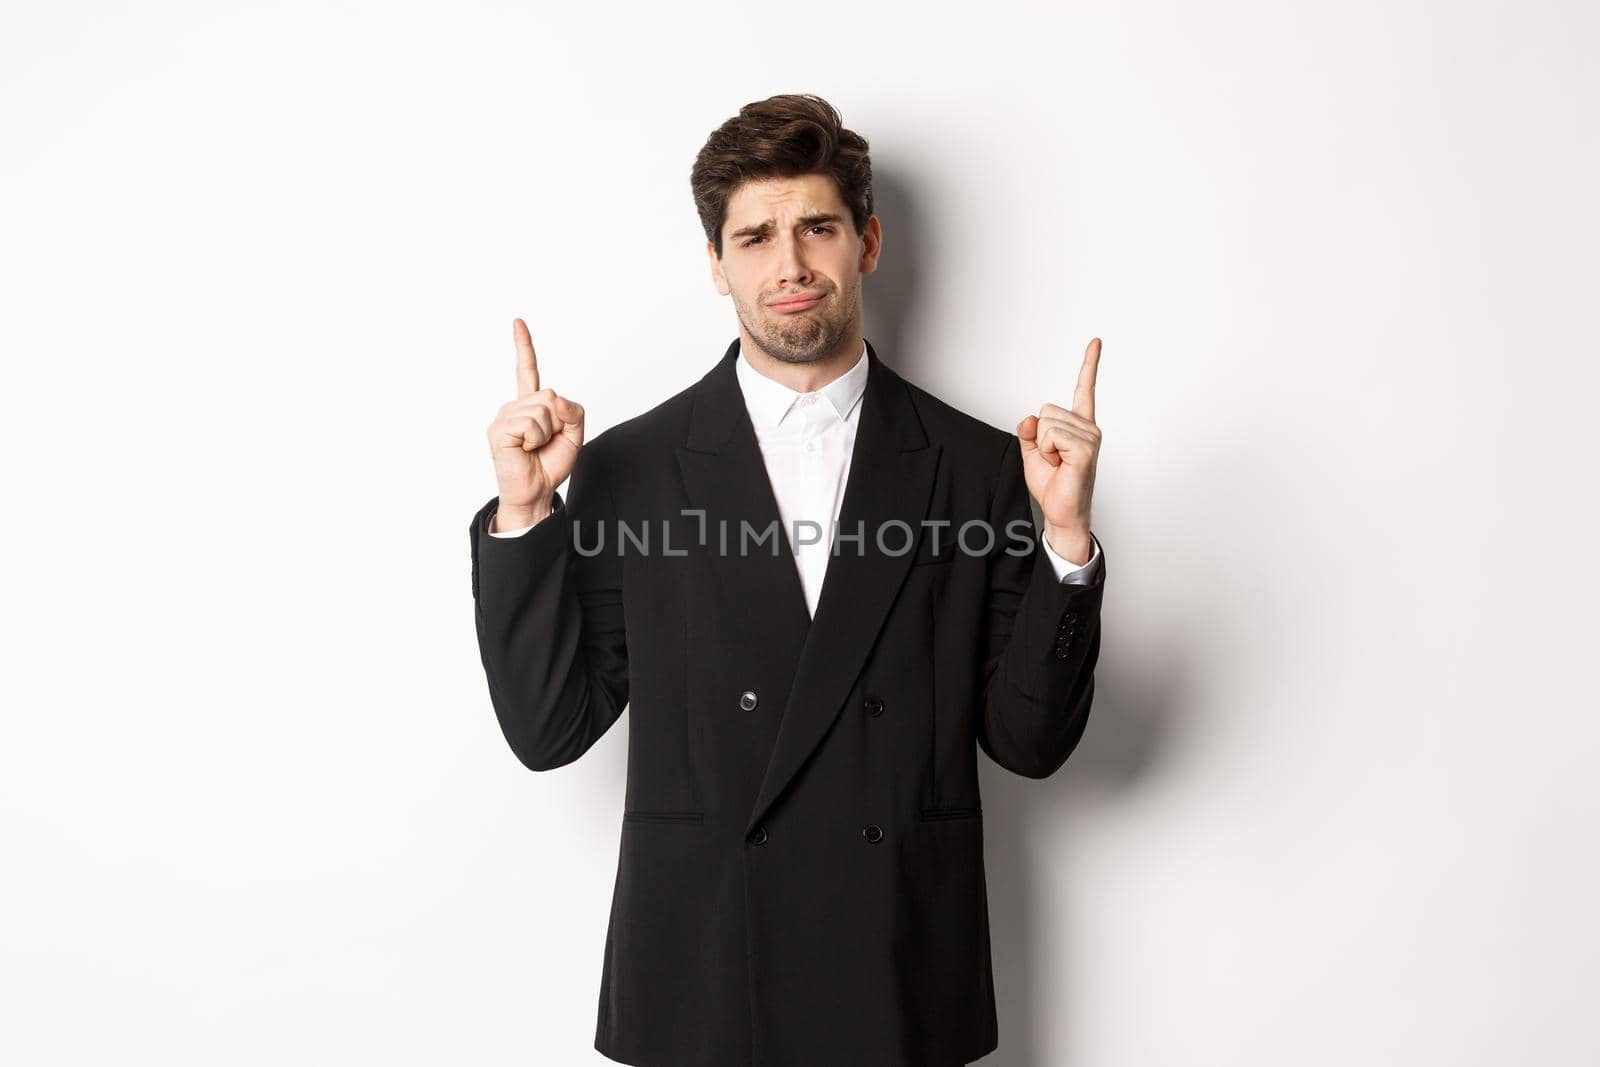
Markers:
<point>753,240</point>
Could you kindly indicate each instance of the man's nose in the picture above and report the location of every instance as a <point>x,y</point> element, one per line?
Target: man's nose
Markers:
<point>791,267</point>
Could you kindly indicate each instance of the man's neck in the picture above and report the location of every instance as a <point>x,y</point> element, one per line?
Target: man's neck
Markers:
<point>802,377</point>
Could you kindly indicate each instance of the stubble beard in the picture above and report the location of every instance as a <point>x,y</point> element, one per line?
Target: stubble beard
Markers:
<point>803,338</point>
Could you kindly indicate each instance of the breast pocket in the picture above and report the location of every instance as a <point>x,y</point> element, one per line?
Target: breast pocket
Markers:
<point>943,814</point>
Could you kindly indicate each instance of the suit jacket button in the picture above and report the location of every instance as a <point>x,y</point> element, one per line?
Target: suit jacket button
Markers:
<point>747,700</point>
<point>758,836</point>
<point>874,706</point>
<point>873,832</point>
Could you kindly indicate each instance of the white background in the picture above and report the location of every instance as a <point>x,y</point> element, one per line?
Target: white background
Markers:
<point>258,267</point>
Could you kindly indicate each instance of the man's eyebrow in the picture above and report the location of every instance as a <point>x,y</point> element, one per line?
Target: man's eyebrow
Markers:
<point>766,225</point>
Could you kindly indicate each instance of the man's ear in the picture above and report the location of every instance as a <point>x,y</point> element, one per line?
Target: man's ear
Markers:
<point>871,245</point>
<point>717,276</point>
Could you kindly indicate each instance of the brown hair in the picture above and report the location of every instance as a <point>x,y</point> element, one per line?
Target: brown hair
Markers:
<point>780,137</point>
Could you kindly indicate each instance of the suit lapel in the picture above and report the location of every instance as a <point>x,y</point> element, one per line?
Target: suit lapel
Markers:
<point>891,478</point>
<point>725,477</point>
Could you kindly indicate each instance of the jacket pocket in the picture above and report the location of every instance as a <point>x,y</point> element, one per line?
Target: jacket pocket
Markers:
<point>663,816</point>
<point>933,814</point>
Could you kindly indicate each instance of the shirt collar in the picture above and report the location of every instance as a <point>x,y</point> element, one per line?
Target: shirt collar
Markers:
<point>770,400</point>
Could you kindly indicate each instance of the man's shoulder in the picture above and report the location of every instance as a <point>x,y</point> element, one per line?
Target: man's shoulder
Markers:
<point>953,428</point>
<point>670,416</point>
<point>651,431</point>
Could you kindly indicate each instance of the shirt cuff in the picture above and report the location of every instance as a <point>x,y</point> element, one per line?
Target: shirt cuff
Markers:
<point>489,524</point>
<point>1072,573</point>
<point>507,533</point>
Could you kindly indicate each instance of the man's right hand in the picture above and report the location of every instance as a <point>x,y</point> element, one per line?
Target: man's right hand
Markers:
<point>534,440</point>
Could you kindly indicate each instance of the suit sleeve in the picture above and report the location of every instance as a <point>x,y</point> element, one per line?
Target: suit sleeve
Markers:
<point>549,613</point>
<point>1042,640</point>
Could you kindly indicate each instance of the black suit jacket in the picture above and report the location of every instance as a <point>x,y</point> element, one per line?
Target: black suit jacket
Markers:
<point>800,875</point>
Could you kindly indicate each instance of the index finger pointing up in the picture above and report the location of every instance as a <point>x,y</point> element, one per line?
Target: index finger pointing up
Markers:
<point>1083,397</point>
<point>527,366</point>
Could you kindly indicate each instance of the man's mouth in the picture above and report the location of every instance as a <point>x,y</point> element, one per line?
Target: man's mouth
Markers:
<point>801,303</point>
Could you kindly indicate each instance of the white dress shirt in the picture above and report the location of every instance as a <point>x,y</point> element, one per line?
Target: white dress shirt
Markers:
<point>807,440</point>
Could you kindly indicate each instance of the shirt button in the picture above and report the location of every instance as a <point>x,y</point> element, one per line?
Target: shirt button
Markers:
<point>811,446</point>
<point>872,832</point>
<point>747,700</point>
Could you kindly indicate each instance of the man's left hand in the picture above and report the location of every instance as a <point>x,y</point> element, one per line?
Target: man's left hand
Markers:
<point>1059,452</point>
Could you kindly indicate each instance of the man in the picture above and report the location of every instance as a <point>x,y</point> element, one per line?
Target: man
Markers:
<point>819,590</point>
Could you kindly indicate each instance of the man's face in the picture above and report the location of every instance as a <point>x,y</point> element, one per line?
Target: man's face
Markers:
<point>793,237</point>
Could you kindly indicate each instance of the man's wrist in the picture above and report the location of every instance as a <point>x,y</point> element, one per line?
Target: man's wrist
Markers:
<point>518,518</point>
<point>1073,545</point>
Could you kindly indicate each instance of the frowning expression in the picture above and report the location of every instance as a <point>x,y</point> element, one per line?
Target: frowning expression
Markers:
<point>792,261</point>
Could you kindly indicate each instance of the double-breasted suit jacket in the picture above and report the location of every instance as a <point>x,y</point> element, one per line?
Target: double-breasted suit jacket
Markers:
<point>800,875</point>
